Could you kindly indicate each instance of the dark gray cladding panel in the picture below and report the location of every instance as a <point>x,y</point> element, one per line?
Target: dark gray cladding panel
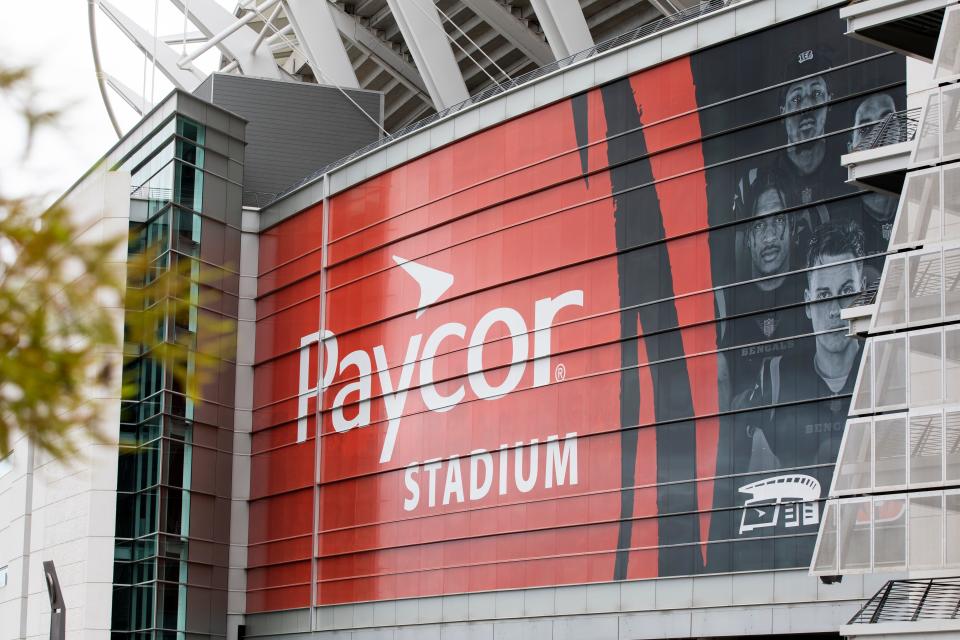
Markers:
<point>294,128</point>
<point>205,90</point>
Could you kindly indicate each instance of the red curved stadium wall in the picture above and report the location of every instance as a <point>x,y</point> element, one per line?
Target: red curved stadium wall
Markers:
<point>527,375</point>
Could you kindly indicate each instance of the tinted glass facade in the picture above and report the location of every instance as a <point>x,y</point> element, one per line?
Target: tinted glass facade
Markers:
<point>598,342</point>
<point>174,476</point>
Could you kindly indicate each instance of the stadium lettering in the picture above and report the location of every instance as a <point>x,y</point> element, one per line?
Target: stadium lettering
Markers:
<point>394,383</point>
<point>482,469</point>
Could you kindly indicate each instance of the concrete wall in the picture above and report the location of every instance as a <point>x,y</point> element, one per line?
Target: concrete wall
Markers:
<point>725,605</point>
<point>65,512</point>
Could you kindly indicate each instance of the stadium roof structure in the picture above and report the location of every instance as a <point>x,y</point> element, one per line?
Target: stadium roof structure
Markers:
<point>423,55</point>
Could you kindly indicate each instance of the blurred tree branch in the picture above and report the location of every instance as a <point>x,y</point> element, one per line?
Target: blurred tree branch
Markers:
<point>58,303</point>
<point>54,324</point>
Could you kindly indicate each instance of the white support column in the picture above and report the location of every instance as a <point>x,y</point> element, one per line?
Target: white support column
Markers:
<point>516,32</point>
<point>187,78</point>
<point>235,41</point>
<point>364,38</point>
<point>321,43</point>
<point>566,28</point>
<point>423,33</point>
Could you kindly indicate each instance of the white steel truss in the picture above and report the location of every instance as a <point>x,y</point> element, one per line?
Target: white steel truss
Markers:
<point>423,55</point>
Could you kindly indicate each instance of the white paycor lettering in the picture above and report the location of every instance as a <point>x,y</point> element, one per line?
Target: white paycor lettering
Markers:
<point>454,483</point>
<point>361,361</point>
<point>560,469</point>
<point>433,400</point>
<point>431,466</point>
<point>395,396</point>
<point>409,504</point>
<point>305,392</point>
<point>394,402</point>
<point>518,361</point>
<point>544,312</point>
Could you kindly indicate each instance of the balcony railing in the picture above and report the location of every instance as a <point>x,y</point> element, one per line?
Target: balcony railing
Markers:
<point>868,296</point>
<point>703,8</point>
<point>912,600</point>
<point>896,127</point>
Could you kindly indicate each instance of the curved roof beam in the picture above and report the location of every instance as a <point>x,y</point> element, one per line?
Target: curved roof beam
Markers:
<point>427,41</point>
<point>98,68</point>
<point>313,24</point>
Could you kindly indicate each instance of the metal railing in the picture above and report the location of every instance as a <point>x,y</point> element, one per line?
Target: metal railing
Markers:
<point>912,600</point>
<point>151,193</point>
<point>866,297</point>
<point>703,8</point>
<point>259,199</point>
<point>896,127</point>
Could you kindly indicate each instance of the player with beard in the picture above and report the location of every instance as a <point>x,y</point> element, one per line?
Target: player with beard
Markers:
<point>809,433</point>
<point>763,315</point>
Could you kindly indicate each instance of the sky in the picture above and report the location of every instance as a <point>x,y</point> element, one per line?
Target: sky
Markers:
<point>52,37</point>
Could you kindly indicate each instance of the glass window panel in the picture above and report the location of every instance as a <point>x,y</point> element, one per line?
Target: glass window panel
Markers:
<point>926,438</point>
<point>947,62</point>
<point>863,396</point>
<point>170,606</point>
<point>918,218</point>
<point>190,130</point>
<point>151,166</point>
<point>148,147</point>
<point>951,362</point>
<point>187,233</point>
<point>950,121</point>
<point>927,147</point>
<point>826,558</point>
<point>951,202</point>
<point>855,535</point>
<point>189,186</point>
<point>926,277</point>
<point>889,372</point>
<point>143,513</point>
<point>925,368</point>
<point>853,468</point>
<point>951,281</point>
<point>155,235</point>
<point>951,442</point>
<point>157,191</point>
<point>190,153</point>
<point>952,503</point>
<point>890,435</point>
<point>889,533</point>
<point>892,306</point>
<point>926,524</point>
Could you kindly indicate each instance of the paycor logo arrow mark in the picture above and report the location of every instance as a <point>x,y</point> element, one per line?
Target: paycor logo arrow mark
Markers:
<point>433,282</point>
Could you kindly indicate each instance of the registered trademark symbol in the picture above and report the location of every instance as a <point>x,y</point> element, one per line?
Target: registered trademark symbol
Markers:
<point>560,373</point>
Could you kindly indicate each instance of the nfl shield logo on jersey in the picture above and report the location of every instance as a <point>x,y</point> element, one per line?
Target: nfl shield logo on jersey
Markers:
<point>768,326</point>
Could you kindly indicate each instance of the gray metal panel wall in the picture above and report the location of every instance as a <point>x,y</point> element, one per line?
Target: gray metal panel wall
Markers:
<point>294,128</point>
<point>205,90</point>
